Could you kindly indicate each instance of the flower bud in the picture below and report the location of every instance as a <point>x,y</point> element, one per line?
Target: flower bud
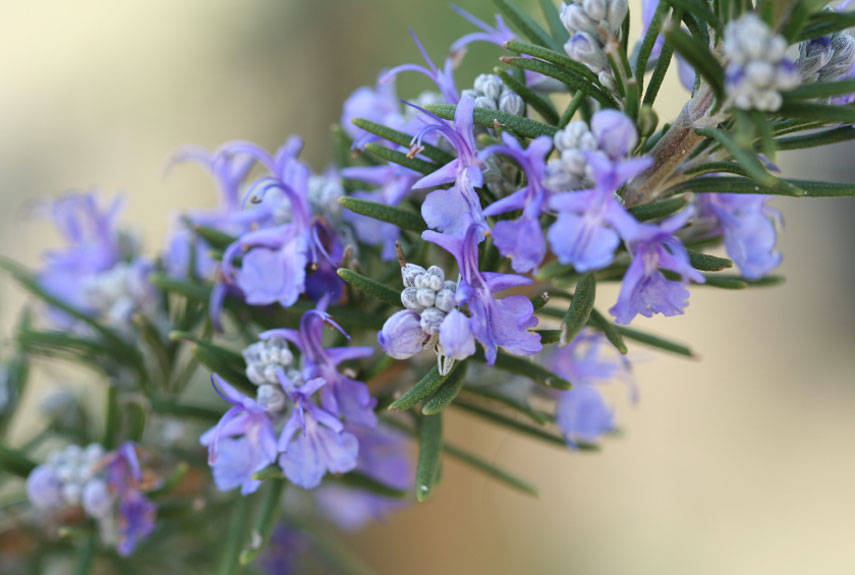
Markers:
<point>456,337</point>
<point>409,298</point>
<point>575,19</point>
<point>402,336</point>
<point>647,121</point>
<point>431,320</point>
<point>409,273</point>
<point>584,48</point>
<point>489,85</point>
<point>271,397</point>
<point>435,272</point>
<point>485,102</point>
<point>44,489</point>
<point>96,498</point>
<point>445,300</point>
<point>616,14</point>
<point>71,493</point>
<point>615,133</point>
<point>595,9</point>
<point>426,297</point>
<point>813,57</point>
<point>264,358</point>
<point>511,103</point>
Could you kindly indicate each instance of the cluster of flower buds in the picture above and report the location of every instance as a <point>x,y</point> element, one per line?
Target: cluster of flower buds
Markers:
<point>757,67</point>
<point>608,134</point>
<point>427,293</point>
<point>828,59</point>
<point>263,359</point>
<point>104,485</point>
<point>490,92</point>
<point>121,291</point>
<point>592,25</point>
<point>428,298</point>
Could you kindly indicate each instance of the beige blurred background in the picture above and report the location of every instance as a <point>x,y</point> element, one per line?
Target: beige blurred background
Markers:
<point>742,463</point>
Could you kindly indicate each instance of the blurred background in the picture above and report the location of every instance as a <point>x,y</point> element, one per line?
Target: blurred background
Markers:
<point>739,463</point>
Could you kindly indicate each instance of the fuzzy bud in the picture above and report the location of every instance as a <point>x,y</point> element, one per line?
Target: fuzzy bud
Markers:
<point>511,103</point>
<point>402,335</point>
<point>409,273</point>
<point>271,397</point>
<point>431,320</point>
<point>409,298</point>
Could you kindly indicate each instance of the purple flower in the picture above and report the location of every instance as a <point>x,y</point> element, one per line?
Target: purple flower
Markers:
<point>383,456</point>
<point>581,413</point>
<point>341,395</point>
<point>443,79</point>
<point>136,520</point>
<point>402,336</point>
<point>394,182</point>
<point>498,35</point>
<point>456,336</point>
<point>522,239</point>
<point>590,222</point>
<point>313,441</point>
<point>44,488</point>
<point>453,210</point>
<point>645,290</point>
<point>242,443</point>
<point>379,104</point>
<point>494,323</point>
<point>274,259</point>
<point>748,225</point>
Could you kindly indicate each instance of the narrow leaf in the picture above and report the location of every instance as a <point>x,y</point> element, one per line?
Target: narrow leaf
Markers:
<point>570,78</point>
<point>525,25</point>
<point>579,311</point>
<point>653,30</point>
<point>734,185</point>
<point>543,106</point>
<point>658,209</point>
<point>443,396</point>
<point>654,341</point>
<point>426,386</point>
<point>402,139</point>
<point>490,469</point>
<point>558,58</point>
<point>818,112</point>
<point>363,482</point>
<point>370,287</point>
<point>520,406</point>
<point>15,462</point>
<point>180,410</point>
<point>430,447</point>
<point>746,158</point>
<point>823,138</point>
<point>492,118</point>
<point>820,90</point>
<point>268,513</point>
<point>698,55</point>
<point>540,300</point>
<point>699,9</point>
<point>549,336</point>
<point>213,237</point>
<point>708,263</point>
<point>234,537</point>
<point>553,20</point>
<point>601,323</point>
<point>400,217</point>
<point>400,158</point>
<point>526,368</point>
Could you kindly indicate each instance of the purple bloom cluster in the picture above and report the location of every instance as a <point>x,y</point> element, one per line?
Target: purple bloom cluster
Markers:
<point>296,419</point>
<point>107,486</point>
<point>581,413</point>
<point>100,271</point>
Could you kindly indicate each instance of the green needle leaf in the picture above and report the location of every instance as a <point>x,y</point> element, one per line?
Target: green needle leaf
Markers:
<point>525,25</point>
<point>526,368</point>
<point>214,237</point>
<point>430,447</point>
<point>698,55</point>
<point>658,209</point>
<point>15,462</point>
<point>654,341</point>
<point>402,139</point>
<point>169,407</point>
<point>234,537</point>
<point>400,158</point>
<point>818,112</point>
<point>746,158</point>
<point>825,137</point>
<point>735,185</point>
<point>553,20</point>
<point>268,513</point>
<point>363,482</point>
<point>522,407</point>
<point>540,300</point>
<point>490,469</point>
<point>443,397</point>
<point>559,58</point>
<point>601,323</point>
<point>549,336</point>
<point>579,311</point>
<point>426,386</point>
<point>820,90</point>
<point>371,287</point>
<point>404,219</point>
<point>708,263</point>
<point>569,77</point>
<point>491,118</point>
<point>541,105</point>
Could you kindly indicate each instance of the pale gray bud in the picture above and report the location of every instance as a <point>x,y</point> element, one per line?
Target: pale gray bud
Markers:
<point>435,278</point>
<point>615,15</point>
<point>71,493</point>
<point>485,102</point>
<point>511,103</point>
<point>595,9</point>
<point>265,357</point>
<point>842,53</point>
<point>409,273</point>
<point>426,297</point>
<point>445,300</point>
<point>575,19</point>
<point>271,397</point>
<point>585,48</point>
<point>431,320</point>
<point>489,85</point>
<point>470,93</point>
<point>96,498</point>
<point>410,300</point>
<point>813,57</point>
